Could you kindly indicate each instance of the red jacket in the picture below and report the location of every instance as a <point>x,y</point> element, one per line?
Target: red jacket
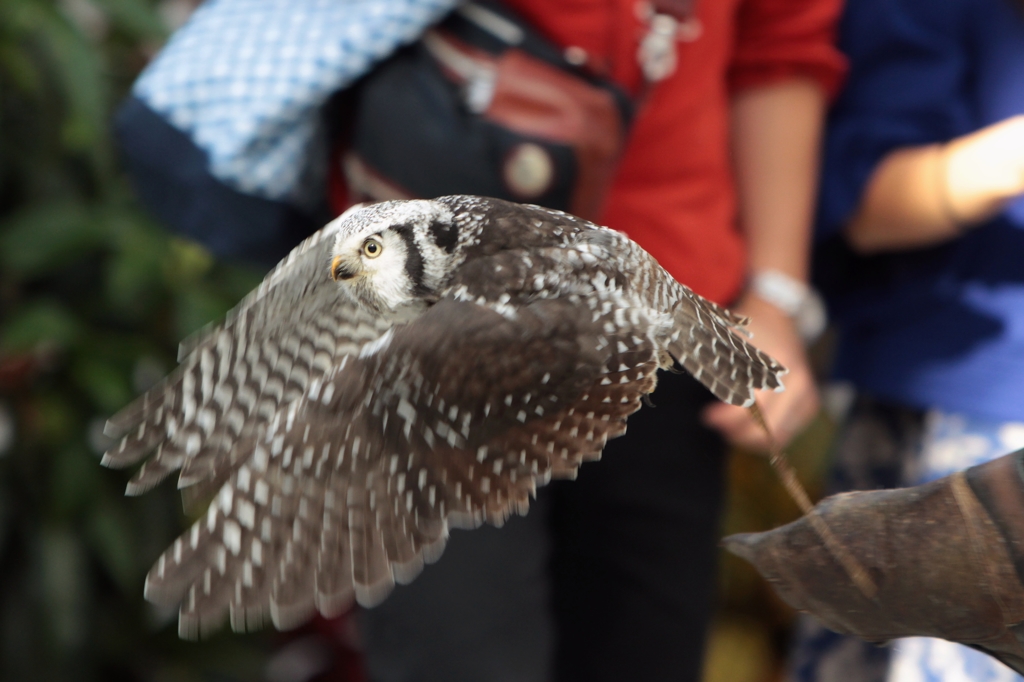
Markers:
<point>674,191</point>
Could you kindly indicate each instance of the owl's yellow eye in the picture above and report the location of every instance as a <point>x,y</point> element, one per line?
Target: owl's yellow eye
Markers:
<point>372,248</point>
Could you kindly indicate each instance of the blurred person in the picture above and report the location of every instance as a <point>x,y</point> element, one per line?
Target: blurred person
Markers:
<point>612,576</point>
<point>921,245</point>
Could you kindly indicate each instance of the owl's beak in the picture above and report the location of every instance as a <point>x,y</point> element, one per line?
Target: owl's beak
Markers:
<point>340,270</point>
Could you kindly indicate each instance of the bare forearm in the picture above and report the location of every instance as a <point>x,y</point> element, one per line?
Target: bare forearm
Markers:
<point>776,140</point>
<point>919,196</point>
<point>776,131</point>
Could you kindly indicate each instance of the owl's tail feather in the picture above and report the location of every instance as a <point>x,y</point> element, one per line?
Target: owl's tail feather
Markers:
<point>730,318</point>
<point>708,346</point>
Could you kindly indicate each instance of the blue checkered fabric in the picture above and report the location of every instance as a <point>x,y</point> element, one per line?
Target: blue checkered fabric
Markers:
<point>245,80</point>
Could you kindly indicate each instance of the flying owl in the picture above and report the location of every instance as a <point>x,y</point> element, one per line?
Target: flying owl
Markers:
<point>412,367</point>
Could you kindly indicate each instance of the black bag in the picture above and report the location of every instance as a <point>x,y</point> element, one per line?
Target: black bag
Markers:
<point>483,104</point>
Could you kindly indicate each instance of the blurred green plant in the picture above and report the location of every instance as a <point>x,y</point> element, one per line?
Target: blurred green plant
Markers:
<point>93,300</point>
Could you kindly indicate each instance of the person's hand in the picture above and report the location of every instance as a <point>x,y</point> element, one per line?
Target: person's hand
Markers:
<point>788,412</point>
<point>985,169</point>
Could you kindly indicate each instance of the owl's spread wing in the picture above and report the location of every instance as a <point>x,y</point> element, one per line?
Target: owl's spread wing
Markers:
<point>452,419</point>
<point>286,334</point>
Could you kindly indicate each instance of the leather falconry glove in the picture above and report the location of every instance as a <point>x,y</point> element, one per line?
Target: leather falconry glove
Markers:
<point>946,559</point>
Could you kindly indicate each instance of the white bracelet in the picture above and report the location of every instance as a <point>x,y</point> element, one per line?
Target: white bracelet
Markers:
<point>793,297</point>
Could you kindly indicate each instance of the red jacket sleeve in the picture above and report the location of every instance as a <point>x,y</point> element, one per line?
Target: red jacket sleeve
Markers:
<point>781,39</point>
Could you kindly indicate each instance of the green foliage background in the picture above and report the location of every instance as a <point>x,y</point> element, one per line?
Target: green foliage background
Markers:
<point>93,300</point>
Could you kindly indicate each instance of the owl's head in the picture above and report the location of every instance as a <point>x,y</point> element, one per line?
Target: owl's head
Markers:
<point>394,254</point>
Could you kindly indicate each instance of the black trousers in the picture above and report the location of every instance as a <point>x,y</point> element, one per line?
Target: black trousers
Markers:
<point>609,577</point>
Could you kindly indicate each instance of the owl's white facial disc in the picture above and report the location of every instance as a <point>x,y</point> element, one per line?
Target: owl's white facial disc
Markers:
<point>394,254</point>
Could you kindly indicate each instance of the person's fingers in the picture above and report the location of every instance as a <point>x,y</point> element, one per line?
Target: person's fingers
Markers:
<point>786,414</point>
<point>737,426</point>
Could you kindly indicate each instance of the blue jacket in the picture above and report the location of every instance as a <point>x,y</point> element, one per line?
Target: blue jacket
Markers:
<point>941,326</point>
